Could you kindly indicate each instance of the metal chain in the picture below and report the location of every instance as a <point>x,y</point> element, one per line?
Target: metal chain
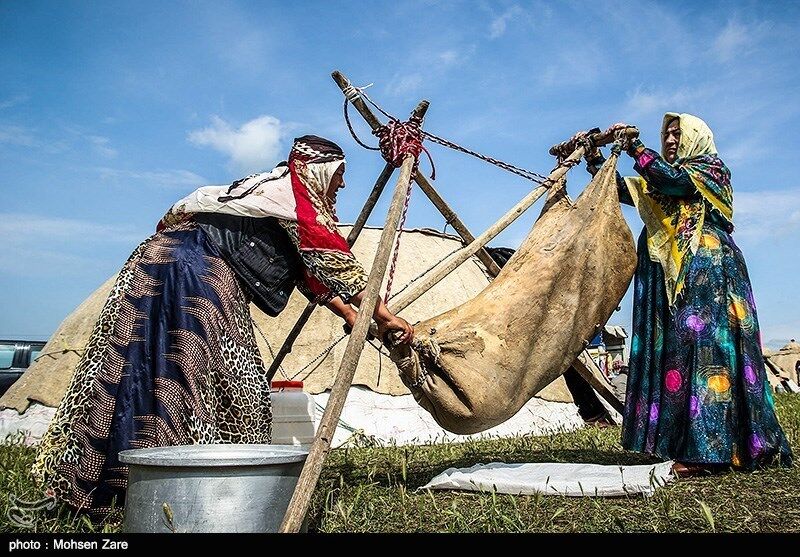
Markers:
<point>321,355</point>
<point>527,174</point>
<point>354,92</point>
<point>269,347</point>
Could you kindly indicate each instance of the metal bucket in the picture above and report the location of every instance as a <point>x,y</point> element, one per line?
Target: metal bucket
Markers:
<point>210,488</point>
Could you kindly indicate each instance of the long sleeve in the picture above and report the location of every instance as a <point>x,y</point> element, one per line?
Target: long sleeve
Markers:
<point>659,174</point>
<point>328,273</point>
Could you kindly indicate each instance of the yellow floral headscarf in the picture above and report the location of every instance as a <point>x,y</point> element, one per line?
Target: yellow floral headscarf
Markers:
<point>675,224</point>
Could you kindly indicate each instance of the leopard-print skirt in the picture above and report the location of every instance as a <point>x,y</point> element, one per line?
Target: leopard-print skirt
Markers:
<point>172,360</point>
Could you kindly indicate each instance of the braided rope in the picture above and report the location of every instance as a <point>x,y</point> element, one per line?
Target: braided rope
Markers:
<point>352,93</point>
<point>392,268</point>
<point>527,174</point>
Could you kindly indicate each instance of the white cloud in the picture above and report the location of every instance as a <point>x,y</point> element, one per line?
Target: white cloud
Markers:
<point>13,101</point>
<point>17,135</point>
<point>747,147</point>
<point>736,40</point>
<point>254,145</point>
<point>497,27</point>
<point>779,208</point>
<point>644,102</point>
<point>101,146</point>
<point>449,57</point>
<point>404,85</point>
<point>160,178</point>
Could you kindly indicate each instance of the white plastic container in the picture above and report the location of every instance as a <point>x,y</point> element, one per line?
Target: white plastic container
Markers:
<point>292,414</point>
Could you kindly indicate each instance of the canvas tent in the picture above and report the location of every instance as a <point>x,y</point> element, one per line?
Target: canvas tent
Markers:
<point>785,366</point>
<point>379,406</point>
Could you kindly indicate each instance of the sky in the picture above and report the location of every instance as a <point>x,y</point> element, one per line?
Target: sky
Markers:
<point>111,111</point>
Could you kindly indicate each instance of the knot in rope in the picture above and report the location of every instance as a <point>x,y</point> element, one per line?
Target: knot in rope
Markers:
<point>398,139</point>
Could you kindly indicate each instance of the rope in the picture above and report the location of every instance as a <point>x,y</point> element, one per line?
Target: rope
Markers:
<point>527,174</point>
<point>78,351</point>
<point>353,93</point>
<point>390,280</point>
<point>395,140</point>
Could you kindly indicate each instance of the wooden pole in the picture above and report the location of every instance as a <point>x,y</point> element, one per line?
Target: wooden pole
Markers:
<point>450,264</point>
<point>298,506</point>
<point>581,365</point>
<point>358,226</point>
<point>359,104</point>
<point>599,139</point>
<point>450,216</point>
<point>372,200</point>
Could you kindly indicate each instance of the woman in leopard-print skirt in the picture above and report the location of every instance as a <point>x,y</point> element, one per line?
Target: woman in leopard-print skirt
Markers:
<point>173,359</point>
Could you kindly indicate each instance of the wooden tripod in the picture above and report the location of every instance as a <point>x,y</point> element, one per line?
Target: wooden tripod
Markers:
<point>320,447</point>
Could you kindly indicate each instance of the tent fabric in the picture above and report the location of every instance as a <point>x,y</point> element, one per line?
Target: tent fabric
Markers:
<point>555,478</point>
<point>385,420</point>
<point>47,379</point>
<point>787,359</point>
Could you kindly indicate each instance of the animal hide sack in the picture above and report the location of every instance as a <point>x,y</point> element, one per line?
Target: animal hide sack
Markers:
<point>476,365</point>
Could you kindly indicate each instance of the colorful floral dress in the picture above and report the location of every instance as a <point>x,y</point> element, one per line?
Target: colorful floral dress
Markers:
<point>697,389</point>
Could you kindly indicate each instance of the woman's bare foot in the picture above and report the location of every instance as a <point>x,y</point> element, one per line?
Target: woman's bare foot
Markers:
<point>690,469</point>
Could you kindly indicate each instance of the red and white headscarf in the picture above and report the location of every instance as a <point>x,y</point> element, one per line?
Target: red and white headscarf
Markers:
<point>294,191</point>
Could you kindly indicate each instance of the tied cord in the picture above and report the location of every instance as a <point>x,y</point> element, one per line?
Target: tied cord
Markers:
<point>396,139</point>
<point>353,93</point>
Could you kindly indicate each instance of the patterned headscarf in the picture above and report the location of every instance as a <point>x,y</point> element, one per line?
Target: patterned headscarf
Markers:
<point>312,163</point>
<point>293,191</point>
<point>675,225</point>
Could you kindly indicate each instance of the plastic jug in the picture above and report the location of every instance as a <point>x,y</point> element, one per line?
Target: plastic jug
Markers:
<point>292,414</point>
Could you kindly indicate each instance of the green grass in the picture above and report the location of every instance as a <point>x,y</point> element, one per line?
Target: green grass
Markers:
<point>375,490</point>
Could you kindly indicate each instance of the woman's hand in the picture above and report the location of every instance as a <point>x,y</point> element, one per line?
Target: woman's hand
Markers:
<point>397,324</point>
<point>345,311</point>
<point>350,317</point>
<point>386,320</point>
<point>618,126</point>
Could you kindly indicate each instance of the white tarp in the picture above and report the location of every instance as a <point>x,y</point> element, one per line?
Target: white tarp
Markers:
<point>27,427</point>
<point>400,420</point>
<point>551,478</point>
<point>383,418</point>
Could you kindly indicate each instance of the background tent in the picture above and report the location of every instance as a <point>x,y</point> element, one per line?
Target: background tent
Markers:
<point>785,365</point>
<point>379,406</point>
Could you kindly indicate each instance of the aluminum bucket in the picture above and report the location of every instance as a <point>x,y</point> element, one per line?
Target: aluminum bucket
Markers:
<point>210,488</point>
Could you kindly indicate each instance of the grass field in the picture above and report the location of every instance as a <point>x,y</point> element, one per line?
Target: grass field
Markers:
<point>374,490</point>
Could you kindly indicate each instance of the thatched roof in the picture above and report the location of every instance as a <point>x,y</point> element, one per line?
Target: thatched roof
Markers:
<point>47,379</point>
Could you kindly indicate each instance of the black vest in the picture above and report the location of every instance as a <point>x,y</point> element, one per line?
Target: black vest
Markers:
<point>260,253</point>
